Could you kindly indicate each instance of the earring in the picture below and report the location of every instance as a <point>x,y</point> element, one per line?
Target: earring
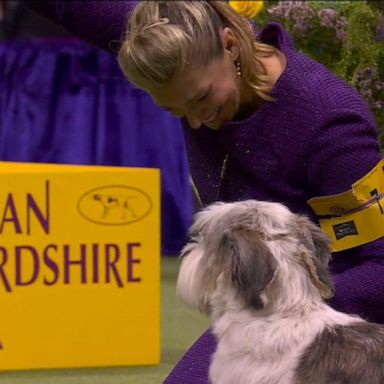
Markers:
<point>238,67</point>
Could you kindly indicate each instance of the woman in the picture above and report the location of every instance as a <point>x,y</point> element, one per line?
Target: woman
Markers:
<point>260,121</point>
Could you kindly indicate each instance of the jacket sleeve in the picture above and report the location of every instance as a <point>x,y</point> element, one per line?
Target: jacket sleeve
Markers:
<point>360,288</point>
<point>101,23</point>
<point>345,149</point>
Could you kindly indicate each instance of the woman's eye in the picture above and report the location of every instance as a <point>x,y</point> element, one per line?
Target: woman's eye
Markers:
<point>204,96</point>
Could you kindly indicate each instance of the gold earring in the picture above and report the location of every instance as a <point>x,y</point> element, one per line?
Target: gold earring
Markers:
<point>238,67</point>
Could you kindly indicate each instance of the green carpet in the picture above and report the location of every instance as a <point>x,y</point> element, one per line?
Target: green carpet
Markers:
<point>181,326</point>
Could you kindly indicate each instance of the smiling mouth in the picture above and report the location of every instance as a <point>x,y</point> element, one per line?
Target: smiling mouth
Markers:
<point>213,118</point>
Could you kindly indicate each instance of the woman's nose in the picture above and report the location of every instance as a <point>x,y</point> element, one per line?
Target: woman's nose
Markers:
<point>194,122</point>
<point>194,119</point>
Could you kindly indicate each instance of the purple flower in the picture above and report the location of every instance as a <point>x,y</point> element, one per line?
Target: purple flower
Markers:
<point>370,87</point>
<point>327,17</point>
<point>341,28</point>
<point>281,10</point>
<point>298,12</point>
<point>380,85</point>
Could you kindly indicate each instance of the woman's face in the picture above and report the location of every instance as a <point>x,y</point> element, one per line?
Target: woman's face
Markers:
<point>209,96</point>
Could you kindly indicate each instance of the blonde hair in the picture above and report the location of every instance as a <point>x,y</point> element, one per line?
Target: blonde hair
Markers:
<point>163,37</point>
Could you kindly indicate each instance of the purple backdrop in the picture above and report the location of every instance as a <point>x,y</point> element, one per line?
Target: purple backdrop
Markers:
<point>63,100</point>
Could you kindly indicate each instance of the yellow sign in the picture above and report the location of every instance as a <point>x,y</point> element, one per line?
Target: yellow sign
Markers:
<point>79,266</point>
<point>356,216</point>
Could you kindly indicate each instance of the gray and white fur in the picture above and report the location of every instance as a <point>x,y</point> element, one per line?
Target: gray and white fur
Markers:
<point>261,273</point>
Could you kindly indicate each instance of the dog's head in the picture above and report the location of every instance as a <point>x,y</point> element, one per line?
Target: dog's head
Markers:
<point>252,251</point>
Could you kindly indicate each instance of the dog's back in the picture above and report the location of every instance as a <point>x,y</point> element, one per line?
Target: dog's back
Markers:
<point>350,354</point>
<point>261,273</point>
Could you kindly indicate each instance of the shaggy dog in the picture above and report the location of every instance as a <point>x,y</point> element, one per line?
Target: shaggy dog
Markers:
<point>260,272</point>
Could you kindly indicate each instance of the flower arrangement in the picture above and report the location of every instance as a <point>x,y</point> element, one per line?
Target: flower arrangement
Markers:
<point>248,9</point>
<point>345,36</point>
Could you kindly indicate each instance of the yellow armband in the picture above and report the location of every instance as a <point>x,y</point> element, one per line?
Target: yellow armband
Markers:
<point>354,217</point>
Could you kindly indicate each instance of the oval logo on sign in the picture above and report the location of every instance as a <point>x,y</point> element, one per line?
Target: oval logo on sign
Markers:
<point>114,205</point>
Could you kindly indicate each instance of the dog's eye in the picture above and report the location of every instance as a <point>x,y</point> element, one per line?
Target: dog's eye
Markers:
<point>195,237</point>
<point>277,236</point>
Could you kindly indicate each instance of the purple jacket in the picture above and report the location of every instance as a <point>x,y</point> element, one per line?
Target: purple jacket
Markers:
<point>316,139</point>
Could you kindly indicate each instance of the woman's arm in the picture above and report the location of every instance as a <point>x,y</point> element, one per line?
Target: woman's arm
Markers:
<point>344,151</point>
<point>360,289</point>
<point>101,23</point>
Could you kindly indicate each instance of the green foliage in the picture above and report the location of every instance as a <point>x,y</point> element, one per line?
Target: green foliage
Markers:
<point>345,36</point>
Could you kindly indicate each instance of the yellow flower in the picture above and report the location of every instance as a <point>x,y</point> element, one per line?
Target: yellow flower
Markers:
<point>248,9</point>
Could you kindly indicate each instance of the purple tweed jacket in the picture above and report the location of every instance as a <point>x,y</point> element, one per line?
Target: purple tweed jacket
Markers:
<point>317,138</point>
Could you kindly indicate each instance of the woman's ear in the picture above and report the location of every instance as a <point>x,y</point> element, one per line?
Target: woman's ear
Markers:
<point>230,42</point>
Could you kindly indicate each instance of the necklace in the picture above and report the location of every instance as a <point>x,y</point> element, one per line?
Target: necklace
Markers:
<point>223,170</point>
<point>223,173</point>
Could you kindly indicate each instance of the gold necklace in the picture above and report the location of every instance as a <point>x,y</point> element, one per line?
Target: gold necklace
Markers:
<point>223,173</point>
<point>223,169</point>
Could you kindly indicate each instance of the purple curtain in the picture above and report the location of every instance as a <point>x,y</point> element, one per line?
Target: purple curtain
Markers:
<point>63,100</point>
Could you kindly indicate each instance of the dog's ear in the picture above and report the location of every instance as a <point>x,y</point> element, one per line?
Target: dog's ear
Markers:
<point>315,253</point>
<point>249,264</point>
